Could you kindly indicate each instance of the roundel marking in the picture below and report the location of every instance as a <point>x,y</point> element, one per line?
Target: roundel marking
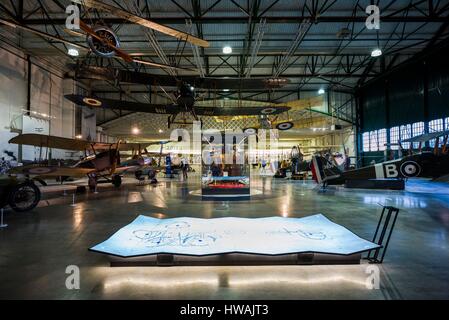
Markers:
<point>410,169</point>
<point>250,131</point>
<point>268,110</point>
<point>92,102</point>
<point>284,125</point>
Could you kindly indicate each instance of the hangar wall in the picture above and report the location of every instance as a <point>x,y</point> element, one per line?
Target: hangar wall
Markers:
<point>411,99</point>
<point>38,106</point>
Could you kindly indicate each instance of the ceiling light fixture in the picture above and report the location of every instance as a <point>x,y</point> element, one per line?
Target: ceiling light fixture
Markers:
<point>376,53</point>
<point>73,52</point>
<point>227,50</point>
<point>135,130</point>
<point>321,91</point>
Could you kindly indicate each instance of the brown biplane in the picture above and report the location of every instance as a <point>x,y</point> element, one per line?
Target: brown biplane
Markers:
<point>101,160</point>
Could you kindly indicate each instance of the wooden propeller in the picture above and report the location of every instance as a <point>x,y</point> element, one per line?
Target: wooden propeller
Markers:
<point>92,33</point>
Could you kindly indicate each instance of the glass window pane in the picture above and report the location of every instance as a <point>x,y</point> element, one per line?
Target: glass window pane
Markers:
<point>394,138</point>
<point>417,130</point>
<point>365,141</point>
<point>435,126</point>
<point>406,133</point>
<point>373,141</point>
<point>382,137</point>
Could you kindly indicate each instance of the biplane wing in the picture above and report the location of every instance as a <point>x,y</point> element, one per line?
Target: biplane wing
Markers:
<point>125,76</point>
<point>139,146</point>
<point>173,109</point>
<point>51,171</point>
<point>305,103</point>
<point>427,136</point>
<point>100,5</point>
<point>47,141</point>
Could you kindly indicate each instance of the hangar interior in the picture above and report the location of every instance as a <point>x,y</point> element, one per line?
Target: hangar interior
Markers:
<point>358,98</point>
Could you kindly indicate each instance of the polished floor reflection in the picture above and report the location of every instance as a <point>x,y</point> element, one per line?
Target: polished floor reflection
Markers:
<point>36,247</point>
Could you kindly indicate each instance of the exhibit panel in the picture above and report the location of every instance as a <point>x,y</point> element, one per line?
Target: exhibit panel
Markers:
<point>264,236</point>
<point>225,171</point>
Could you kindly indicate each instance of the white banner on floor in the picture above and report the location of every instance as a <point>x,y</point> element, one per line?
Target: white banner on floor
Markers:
<point>194,236</point>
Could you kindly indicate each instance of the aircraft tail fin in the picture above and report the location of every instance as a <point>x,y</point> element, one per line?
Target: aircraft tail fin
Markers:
<point>323,169</point>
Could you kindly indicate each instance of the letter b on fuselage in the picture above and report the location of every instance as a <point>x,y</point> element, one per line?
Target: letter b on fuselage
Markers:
<point>391,171</point>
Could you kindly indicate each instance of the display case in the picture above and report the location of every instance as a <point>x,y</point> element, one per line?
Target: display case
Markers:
<point>226,174</point>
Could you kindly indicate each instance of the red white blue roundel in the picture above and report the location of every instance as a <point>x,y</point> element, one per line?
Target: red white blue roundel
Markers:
<point>410,169</point>
<point>92,102</point>
<point>39,170</point>
<point>268,110</point>
<point>284,125</point>
<point>250,131</point>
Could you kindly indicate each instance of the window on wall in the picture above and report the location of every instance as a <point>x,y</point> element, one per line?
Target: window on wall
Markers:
<point>406,133</point>
<point>382,139</point>
<point>394,138</point>
<point>446,123</point>
<point>417,130</point>
<point>373,141</point>
<point>435,126</point>
<point>365,141</point>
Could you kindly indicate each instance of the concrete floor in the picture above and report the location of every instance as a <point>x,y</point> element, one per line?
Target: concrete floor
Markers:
<point>37,246</point>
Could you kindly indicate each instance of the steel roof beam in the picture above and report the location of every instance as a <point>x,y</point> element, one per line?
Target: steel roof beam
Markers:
<point>243,20</point>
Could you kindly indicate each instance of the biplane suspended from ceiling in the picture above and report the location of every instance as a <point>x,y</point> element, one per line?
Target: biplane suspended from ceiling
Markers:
<point>103,41</point>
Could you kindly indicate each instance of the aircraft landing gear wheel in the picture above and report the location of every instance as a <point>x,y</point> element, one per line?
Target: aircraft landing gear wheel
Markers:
<point>151,174</point>
<point>92,183</point>
<point>117,181</point>
<point>138,174</point>
<point>24,197</point>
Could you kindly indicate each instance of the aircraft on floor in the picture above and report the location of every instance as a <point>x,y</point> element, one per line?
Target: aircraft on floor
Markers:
<point>425,164</point>
<point>100,161</point>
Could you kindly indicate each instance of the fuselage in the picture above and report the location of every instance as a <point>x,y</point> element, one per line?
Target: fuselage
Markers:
<point>186,96</point>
